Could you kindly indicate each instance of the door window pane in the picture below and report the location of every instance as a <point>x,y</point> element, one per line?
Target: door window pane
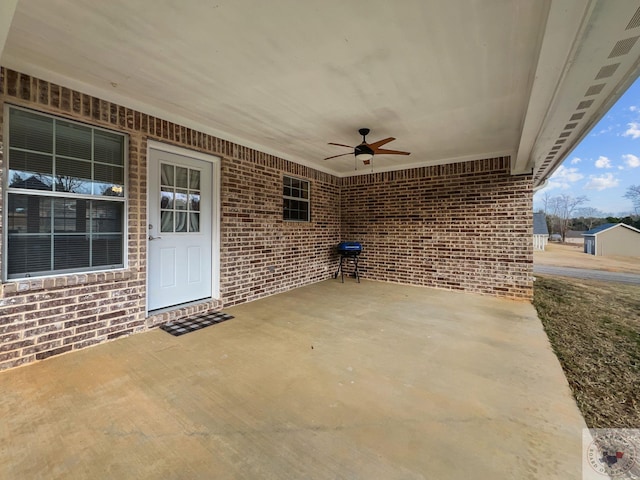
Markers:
<point>194,222</point>
<point>182,174</point>
<point>194,179</point>
<point>194,201</point>
<point>167,175</point>
<point>166,221</point>
<point>179,197</point>
<point>181,200</point>
<point>181,221</point>
<point>166,198</point>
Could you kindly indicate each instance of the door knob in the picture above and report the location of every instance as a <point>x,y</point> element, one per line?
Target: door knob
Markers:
<point>151,237</point>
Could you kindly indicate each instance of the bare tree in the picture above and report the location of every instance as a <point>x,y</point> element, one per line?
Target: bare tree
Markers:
<point>633,194</point>
<point>547,201</point>
<point>589,215</point>
<point>566,205</point>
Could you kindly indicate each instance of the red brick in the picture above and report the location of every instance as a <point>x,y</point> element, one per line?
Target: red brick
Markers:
<point>51,353</point>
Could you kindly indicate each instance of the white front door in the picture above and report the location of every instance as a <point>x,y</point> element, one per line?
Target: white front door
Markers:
<point>179,230</point>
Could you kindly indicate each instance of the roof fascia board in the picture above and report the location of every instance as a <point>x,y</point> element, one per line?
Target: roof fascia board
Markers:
<point>566,22</point>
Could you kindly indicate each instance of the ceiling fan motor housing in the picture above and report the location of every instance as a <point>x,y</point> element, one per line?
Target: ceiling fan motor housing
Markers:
<point>362,149</point>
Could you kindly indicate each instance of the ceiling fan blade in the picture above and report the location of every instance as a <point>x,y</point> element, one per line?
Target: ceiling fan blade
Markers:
<point>379,143</point>
<point>341,155</point>
<point>382,151</point>
<point>340,145</point>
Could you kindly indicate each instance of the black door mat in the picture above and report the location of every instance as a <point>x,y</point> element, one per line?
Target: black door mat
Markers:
<point>186,325</point>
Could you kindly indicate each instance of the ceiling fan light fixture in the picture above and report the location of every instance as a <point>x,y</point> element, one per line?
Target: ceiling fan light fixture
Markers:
<point>363,152</point>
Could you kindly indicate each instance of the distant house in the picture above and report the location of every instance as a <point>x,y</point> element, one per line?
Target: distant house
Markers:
<point>540,231</point>
<point>574,236</point>
<point>612,239</point>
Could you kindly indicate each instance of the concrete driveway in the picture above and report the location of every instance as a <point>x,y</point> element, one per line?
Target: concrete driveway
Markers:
<point>600,275</point>
<point>331,381</point>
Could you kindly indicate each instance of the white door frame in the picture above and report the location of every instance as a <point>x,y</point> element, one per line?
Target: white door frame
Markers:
<point>215,210</point>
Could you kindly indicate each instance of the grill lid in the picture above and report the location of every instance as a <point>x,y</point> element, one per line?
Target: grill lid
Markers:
<point>349,247</point>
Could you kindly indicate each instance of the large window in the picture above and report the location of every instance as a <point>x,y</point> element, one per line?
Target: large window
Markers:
<point>66,196</point>
<point>296,199</point>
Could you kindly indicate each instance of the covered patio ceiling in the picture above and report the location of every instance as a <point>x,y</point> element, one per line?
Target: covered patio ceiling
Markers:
<point>452,80</point>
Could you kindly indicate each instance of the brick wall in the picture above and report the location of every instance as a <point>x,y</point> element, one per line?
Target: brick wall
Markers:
<point>260,254</point>
<point>465,226</point>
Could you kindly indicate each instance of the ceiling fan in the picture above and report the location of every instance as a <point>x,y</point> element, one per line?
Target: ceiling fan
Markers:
<point>365,151</point>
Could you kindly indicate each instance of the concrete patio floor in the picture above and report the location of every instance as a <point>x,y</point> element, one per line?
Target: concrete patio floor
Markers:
<point>330,381</point>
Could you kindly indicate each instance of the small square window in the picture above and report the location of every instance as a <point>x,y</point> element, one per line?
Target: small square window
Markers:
<point>296,201</point>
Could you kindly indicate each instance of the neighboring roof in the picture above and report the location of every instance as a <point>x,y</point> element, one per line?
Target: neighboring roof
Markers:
<point>607,226</point>
<point>574,233</point>
<point>453,81</point>
<point>540,224</point>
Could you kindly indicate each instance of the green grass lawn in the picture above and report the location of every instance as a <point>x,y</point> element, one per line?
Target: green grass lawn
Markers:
<point>594,329</point>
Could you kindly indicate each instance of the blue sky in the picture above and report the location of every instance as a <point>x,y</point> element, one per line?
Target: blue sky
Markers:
<point>606,162</point>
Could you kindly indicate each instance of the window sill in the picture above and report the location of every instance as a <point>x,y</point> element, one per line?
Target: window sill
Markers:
<point>17,287</point>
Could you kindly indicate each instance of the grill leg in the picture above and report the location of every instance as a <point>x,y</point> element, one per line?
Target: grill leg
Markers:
<point>355,271</point>
<point>339,270</point>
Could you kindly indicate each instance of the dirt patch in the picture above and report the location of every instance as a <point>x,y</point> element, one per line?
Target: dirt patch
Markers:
<point>594,329</point>
<point>572,255</point>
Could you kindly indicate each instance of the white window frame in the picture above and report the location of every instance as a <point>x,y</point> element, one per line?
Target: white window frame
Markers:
<point>299,199</point>
<point>6,191</point>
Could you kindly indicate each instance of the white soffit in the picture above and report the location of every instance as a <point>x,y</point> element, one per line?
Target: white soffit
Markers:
<point>602,62</point>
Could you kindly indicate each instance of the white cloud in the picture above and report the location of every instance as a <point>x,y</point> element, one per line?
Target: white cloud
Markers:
<point>605,130</point>
<point>631,160</point>
<point>575,160</point>
<point>601,182</point>
<point>633,108</point>
<point>603,162</point>
<point>633,131</point>
<point>563,177</point>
